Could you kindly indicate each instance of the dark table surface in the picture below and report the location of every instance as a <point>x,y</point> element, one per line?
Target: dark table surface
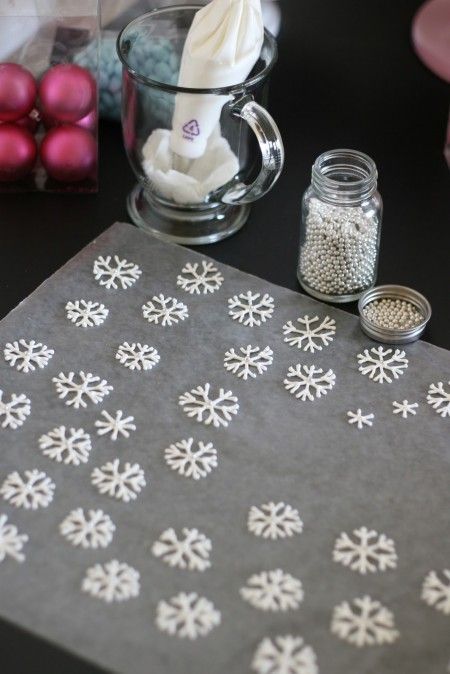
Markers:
<point>346,77</point>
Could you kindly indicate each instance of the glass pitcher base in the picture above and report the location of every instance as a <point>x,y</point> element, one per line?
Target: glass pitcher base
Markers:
<point>191,227</point>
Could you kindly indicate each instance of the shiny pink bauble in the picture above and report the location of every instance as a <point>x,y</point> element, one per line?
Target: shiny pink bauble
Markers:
<point>67,92</point>
<point>18,152</point>
<point>17,92</point>
<point>69,153</point>
<point>89,122</point>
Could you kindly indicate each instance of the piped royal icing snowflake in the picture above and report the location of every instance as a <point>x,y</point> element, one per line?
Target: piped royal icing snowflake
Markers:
<point>251,308</point>
<point>113,581</point>
<point>382,365</point>
<point>360,419</point>
<point>404,408</point>
<point>123,484</point>
<point>14,413</point>
<point>86,314</point>
<point>115,425</point>
<point>250,362</point>
<point>70,446</point>
<point>439,399</point>
<point>217,410</point>
<point>112,274</point>
<point>166,311</point>
<point>34,490</point>
<point>188,551</point>
<point>187,616</point>
<point>284,655</point>
<point>436,591</point>
<point>91,529</point>
<point>11,542</point>
<point>365,551</point>
<point>194,280</point>
<point>137,356</point>
<point>89,387</point>
<point>194,463</point>
<point>273,591</point>
<point>26,355</point>
<point>364,622</point>
<point>309,382</point>
<point>274,520</point>
<point>308,336</point>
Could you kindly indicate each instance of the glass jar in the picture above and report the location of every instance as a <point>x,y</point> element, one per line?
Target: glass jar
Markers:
<point>341,224</point>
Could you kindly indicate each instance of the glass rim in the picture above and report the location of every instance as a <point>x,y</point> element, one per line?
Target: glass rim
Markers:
<point>366,164</point>
<point>171,88</point>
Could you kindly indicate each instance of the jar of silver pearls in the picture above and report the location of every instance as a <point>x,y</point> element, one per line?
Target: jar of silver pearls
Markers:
<point>341,222</point>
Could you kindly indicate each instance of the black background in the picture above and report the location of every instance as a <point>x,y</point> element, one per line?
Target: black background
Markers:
<point>346,77</point>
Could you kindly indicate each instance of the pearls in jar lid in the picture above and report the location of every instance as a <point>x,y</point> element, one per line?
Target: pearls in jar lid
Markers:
<point>393,314</point>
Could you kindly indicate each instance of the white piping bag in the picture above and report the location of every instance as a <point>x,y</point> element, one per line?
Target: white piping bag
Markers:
<point>222,46</point>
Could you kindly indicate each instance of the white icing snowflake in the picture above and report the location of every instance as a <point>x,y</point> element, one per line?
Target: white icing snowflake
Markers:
<point>11,542</point>
<point>309,382</point>
<point>273,591</point>
<point>189,462</point>
<point>113,581</point>
<point>307,336</point>
<point>89,387</point>
<point>382,364</point>
<point>71,446</point>
<point>26,356</point>
<point>15,411</point>
<point>360,419</point>
<point>92,530</point>
<point>250,308</point>
<point>367,551</point>
<point>217,411</point>
<point>404,408</point>
<point>284,655</point>
<point>165,310</point>
<point>137,356</point>
<point>439,399</point>
<point>117,273</point>
<point>117,425</point>
<point>364,623</point>
<point>187,616</point>
<point>190,552</point>
<point>86,314</point>
<point>274,520</point>
<point>35,490</point>
<point>250,362</point>
<point>123,484</point>
<point>193,280</point>
<point>436,591</point>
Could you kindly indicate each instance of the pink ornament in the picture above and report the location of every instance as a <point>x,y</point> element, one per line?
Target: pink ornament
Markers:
<point>67,92</point>
<point>90,121</point>
<point>18,152</point>
<point>69,153</point>
<point>30,122</point>
<point>17,92</point>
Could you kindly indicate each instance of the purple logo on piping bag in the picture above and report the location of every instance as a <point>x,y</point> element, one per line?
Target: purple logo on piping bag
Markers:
<point>191,130</point>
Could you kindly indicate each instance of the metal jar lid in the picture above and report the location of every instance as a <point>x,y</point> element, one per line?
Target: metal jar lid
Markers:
<point>394,335</point>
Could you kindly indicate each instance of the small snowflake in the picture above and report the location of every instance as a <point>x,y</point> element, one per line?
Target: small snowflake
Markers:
<point>250,308</point>
<point>193,280</point>
<point>315,338</point>
<point>11,542</point>
<point>123,484</point>
<point>71,446</point>
<point>439,399</point>
<point>190,552</point>
<point>404,408</point>
<point>309,382</point>
<point>86,314</point>
<point>91,387</point>
<point>137,356</point>
<point>250,362</point>
<point>189,462</point>
<point>365,623</point>
<point>436,591</point>
<point>274,520</point>
<point>35,490</point>
<point>112,274</point>
<point>113,581</point>
<point>284,655</point>
<point>370,551</point>
<point>92,530</point>
<point>360,419</point>
<point>382,364</point>
<point>187,616</point>
<point>273,591</point>
<point>15,411</point>
<point>26,356</point>
<point>164,310</point>
<point>117,425</point>
<point>217,411</point>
